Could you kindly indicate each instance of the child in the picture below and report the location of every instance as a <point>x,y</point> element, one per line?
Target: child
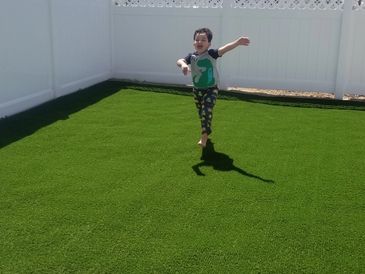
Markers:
<point>205,75</point>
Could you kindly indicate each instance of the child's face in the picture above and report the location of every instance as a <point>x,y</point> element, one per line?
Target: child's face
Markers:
<point>201,43</point>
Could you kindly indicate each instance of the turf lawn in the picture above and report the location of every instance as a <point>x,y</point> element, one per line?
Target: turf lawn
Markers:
<point>110,180</point>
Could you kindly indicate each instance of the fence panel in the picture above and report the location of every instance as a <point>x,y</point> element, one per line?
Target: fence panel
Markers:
<point>147,42</point>
<point>25,55</point>
<point>82,43</point>
<point>50,48</point>
<point>289,49</point>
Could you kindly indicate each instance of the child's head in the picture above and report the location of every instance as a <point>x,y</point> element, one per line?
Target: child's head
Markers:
<point>202,39</point>
<point>207,32</point>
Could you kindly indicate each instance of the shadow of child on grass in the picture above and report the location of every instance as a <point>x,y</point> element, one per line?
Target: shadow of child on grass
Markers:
<point>222,162</point>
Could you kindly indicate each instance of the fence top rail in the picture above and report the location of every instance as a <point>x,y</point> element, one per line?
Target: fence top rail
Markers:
<point>243,4</point>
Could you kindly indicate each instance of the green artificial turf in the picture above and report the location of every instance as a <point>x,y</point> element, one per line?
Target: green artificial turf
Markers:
<point>110,180</point>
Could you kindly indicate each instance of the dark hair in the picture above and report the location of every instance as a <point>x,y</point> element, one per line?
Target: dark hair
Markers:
<point>207,31</point>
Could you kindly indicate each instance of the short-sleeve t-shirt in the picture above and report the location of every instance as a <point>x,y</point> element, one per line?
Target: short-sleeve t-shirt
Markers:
<point>204,68</point>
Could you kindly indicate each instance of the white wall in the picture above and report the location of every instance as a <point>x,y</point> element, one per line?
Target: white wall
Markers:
<point>147,42</point>
<point>25,55</point>
<point>50,48</point>
<point>289,49</point>
<point>82,43</point>
<point>294,48</point>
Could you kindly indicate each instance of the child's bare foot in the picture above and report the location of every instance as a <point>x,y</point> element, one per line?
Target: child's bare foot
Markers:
<point>203,140</point>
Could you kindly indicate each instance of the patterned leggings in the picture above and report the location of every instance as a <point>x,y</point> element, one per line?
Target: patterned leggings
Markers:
<point>205,100</point>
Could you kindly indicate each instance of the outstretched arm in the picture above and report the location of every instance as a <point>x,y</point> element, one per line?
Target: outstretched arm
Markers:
<point>183,65</point>
<point>241,41</point>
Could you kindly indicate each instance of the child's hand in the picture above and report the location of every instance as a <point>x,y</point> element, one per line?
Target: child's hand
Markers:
<point>185,69</point>
<point>243,41</point>
<point>183,65</point>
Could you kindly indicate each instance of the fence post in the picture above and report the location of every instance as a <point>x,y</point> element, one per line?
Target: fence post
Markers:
<point>226,6</point>
<point>111,37</point>
<point>52,49</point>
<point>344,56</point>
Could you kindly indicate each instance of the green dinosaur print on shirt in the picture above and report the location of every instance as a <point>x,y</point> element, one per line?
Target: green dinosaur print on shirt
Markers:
<point>205,76</point>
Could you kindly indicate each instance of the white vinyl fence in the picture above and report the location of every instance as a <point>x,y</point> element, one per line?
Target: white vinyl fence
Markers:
<point>306,45</point>
<point>50,48</point>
